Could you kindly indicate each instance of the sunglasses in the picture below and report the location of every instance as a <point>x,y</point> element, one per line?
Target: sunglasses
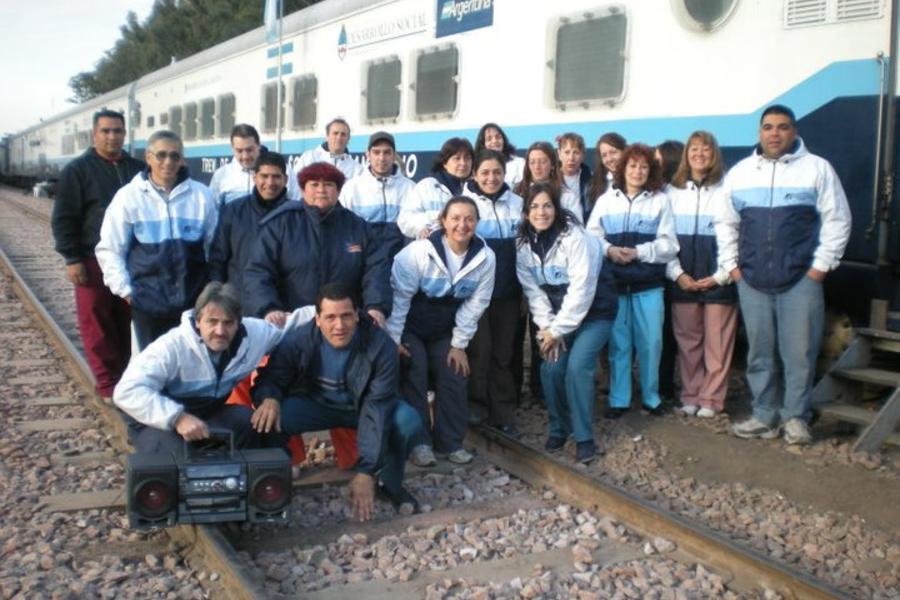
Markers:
<point>162,155</point>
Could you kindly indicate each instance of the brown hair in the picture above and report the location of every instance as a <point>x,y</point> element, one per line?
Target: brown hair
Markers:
<point>458,200</point>
<point>716,170</point>
<point>599,181</point>
<point>528,179</point>
<point>634,152</point>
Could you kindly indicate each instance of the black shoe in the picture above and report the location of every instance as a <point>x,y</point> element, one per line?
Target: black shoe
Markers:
<point>659,411</point>
<point>585,452</point>
<point>614,413</point>
<point>554,443</point>
<point>399,498</point>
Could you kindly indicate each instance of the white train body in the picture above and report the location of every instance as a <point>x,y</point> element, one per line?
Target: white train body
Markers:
<point>643,68</point>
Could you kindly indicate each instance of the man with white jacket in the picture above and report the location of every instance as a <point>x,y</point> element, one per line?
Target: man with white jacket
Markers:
<point>234,179</point>
<point>155,239</point>
<point>332,151</point>
<point>783,227</point>
<point>177,388</point>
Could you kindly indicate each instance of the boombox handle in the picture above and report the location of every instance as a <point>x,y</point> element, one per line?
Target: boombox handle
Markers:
<point>215,433</point>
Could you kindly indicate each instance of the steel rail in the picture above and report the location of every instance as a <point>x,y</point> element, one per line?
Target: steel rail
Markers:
<point>204,542</point>
<point>747,568</point>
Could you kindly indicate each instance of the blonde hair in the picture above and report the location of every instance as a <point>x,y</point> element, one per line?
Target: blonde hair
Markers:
<point>716,170</point>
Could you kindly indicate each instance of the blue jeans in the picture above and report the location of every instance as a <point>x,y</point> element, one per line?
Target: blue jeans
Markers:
<point>784,332</point>
<point>299,415</point>
<point>637,329</point>
<point>569,382</point>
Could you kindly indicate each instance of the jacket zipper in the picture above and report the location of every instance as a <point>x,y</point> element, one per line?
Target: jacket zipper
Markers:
<point>771,224</point>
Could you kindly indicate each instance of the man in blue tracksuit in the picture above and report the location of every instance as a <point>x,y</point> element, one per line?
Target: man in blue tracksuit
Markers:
<point>239,221</point>
<point>784,225</point>
<point>343,371</point>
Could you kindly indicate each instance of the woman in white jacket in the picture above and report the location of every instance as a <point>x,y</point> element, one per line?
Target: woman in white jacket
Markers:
<point>420,208</point>
<point>442,284</point>
<point>572,300</point>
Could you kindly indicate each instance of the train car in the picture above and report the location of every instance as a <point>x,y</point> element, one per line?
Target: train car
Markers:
<point>648,69</point>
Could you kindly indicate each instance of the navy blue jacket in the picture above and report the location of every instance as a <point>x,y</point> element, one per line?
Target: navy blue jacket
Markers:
<point>299,250</point>
<point>499,216</point>
<point>236,235</point>
<point>372,379</point>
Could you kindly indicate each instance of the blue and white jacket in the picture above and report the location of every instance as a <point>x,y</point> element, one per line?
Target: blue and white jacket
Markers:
<point>498,223</point>
<point>348,165</point>
<point>694,208</point>
<point>175,373</point>
<point>422,206</point>
<point>781,217</point>
<point>644,223</point>
<point>564,279</point>
<point>154,248</point>
<point>378,201</point>
<point>230,182</point>
<point>431,304</point>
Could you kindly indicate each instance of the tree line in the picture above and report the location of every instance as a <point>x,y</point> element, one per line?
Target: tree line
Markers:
<point>175,29</point>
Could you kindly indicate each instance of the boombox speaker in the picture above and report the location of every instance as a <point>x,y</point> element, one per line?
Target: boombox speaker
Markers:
<point>152,490</point>
<point>269,485</point>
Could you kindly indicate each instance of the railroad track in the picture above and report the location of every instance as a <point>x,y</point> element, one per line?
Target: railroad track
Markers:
<point>623,523</point>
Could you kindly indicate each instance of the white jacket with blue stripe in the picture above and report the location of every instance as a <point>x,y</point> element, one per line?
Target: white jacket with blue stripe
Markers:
<point>422,285</point>
<point>230,182</point>
<point>154,248</point>
<point>175,373</point>
<point>376,199</point>
<point>348,165</point>
<point>422,206</point>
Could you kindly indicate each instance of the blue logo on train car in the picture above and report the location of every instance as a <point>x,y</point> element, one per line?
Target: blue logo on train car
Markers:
<point>342,43</point>
<point>456,16</point>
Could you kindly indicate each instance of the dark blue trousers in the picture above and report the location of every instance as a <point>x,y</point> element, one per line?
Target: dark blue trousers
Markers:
<point>299,415</point>
<point>231,416</point>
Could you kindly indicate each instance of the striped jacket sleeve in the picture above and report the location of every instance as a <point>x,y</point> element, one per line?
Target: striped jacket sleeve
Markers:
<point>470,311</point>
<point>115,240</point>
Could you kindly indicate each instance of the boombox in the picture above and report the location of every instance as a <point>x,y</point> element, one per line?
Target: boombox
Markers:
<point>212,484</point>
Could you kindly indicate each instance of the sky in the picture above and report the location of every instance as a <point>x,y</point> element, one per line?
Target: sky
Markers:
<point>45,43</point>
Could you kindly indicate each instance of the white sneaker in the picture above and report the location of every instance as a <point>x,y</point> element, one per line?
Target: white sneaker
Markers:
<point>460,457</point>
<point>688,409</point>
<point>706,413</point>
<point>796,431</point>
<point>754,428</point>
<point>423,456</point>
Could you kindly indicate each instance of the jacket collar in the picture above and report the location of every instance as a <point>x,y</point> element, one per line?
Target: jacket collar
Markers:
<point>437,242</point>
<point>797,150</point>
<point>473,187</point>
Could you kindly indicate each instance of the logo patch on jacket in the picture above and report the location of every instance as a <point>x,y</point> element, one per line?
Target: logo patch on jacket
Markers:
<point>354,247</point>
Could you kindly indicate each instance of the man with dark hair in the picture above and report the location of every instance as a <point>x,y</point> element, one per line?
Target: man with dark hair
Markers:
<point>304,245</point>
<point>238,227</point>
<point>176,389</point>
<point>378,192</point>
<point>332,151</point>
<point>86,187</point>
<point>234,179</point>
<point>784,224</point>
<point>343,371</point>
<point>155,238</point>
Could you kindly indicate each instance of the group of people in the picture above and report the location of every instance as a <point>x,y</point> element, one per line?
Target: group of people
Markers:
<point>390,307</point>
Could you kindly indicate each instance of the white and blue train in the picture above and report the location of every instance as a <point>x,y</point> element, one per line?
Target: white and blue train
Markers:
<point>649,69</point>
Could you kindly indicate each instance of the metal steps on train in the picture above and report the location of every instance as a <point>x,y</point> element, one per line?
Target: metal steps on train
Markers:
<point>870,364</point>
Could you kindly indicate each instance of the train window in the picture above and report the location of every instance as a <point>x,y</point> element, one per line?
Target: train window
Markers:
<point>437,82</point>
<point>83,139</point>
<point>68,144</point>
<point>190,121</point>
<point>589,62</point>
<point>226,114</point>
<point>268,105</point>
<point>703,15</point>
<point>381,93</point>
<point>207,117</point>
<point>163,118</point>
<point>304,91</point>
<point>151,121</point>
<point>175,120</point>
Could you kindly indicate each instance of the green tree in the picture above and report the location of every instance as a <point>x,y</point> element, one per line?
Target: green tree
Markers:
<point>175,29</point>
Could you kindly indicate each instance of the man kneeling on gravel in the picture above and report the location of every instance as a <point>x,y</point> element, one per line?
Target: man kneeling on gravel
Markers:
<point>343,371</point>
<point>176,389</point>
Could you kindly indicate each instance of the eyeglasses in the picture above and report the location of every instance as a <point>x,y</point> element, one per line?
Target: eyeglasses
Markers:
<point>162,155</point>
